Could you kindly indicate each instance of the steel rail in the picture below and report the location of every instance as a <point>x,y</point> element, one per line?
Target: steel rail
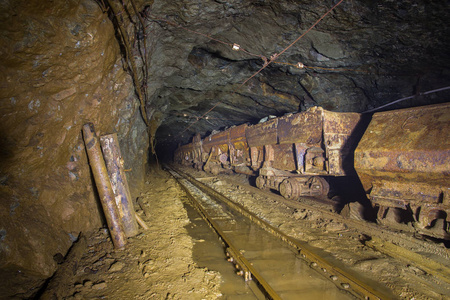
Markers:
<point>380,243</point>
<point>238,258</point>
<point>342,278</point>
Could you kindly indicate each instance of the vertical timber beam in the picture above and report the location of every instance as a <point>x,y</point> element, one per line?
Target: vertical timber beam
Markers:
<point>103,184</point>
<point>114,165</point>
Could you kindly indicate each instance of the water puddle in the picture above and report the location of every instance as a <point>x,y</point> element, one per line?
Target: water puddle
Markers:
<point>208,252</point>
<point>291,277</point>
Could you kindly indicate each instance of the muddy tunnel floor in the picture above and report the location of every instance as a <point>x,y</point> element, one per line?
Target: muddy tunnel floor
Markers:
<point>179,257</point>
<point>156,264</point>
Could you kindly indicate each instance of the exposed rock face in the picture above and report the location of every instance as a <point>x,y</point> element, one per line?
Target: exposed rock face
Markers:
<point>360,56</point>
<point>60,68</point>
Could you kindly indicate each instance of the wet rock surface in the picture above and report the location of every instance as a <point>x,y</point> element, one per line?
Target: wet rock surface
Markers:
<point>63,63</point>
<point>60,67</point>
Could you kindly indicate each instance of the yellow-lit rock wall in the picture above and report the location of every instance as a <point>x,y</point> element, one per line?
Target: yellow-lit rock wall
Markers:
<point>60,67</point>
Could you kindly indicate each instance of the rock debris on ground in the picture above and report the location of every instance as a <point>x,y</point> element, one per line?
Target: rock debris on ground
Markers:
<point>156,264</point>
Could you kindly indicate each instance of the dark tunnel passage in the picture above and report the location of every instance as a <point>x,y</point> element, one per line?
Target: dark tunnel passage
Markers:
<point>159,73</point>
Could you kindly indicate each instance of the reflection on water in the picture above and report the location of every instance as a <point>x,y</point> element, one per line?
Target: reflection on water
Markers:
<point>288,275</point>
<point>208,252</point>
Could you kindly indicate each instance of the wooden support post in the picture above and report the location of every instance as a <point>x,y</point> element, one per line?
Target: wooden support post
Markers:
<point>114,165</point>
<point>103,184</point>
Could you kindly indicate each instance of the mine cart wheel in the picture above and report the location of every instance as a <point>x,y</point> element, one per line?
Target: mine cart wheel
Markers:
<point>439,229</point>
<point>289,188</point>
<point>294,187</point>
<point>261,183</point>
<point>319,186</point>
<point>433,222</point>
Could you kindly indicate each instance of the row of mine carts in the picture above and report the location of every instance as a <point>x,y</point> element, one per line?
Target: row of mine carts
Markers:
<point>400,157</point>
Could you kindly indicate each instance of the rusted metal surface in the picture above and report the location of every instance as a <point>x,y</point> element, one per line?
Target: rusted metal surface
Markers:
<point>341,133</point>
<point>403,160</point>
<point>345,278</point>
<point>114,165</point>
<point>197,151</point>
<point>314,142</point>
<point>212,163</point>
<point>300,153</point>
<point>184,154</point>
<point>249,272</point>
<point>104,187</point>
<point>305,127</point>
<point>301,135</point>
<point>292,188</point>
<point>262,134</point>
<point>226,150</point>
<point>256,157</point>
<point>320,142</point>
<point>237,134</point>
<point>282,157</point>
<point>239,149</point>
<point>218,138</point>
<point>218,144</point>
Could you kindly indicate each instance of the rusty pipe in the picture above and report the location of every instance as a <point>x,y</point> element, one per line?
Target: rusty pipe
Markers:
<point>114,166</point>
<point>103,184</point>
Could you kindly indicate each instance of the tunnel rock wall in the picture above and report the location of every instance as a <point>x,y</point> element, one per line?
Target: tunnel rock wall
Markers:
<point>60,67</point>
<point>360,56</point>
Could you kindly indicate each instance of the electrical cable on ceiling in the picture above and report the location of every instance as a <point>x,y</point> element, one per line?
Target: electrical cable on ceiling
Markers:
<point>300,65</point>
<point>237,47</point>
<point>266,63</point>
<point>406,98</point>
<point>186,115</point>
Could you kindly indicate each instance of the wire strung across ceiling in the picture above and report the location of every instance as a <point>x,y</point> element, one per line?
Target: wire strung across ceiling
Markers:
<point>236,47</point>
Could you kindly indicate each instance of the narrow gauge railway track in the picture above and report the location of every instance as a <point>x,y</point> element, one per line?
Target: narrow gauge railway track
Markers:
<point>280,265</point>
<point>425,262</point>
<point>430,256</point>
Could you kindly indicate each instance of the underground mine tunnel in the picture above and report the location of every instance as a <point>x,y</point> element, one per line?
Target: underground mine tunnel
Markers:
<point>157,73</point>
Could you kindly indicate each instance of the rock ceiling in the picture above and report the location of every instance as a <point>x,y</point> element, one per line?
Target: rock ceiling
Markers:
<point>363,54</point>
<point>61,66</point>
